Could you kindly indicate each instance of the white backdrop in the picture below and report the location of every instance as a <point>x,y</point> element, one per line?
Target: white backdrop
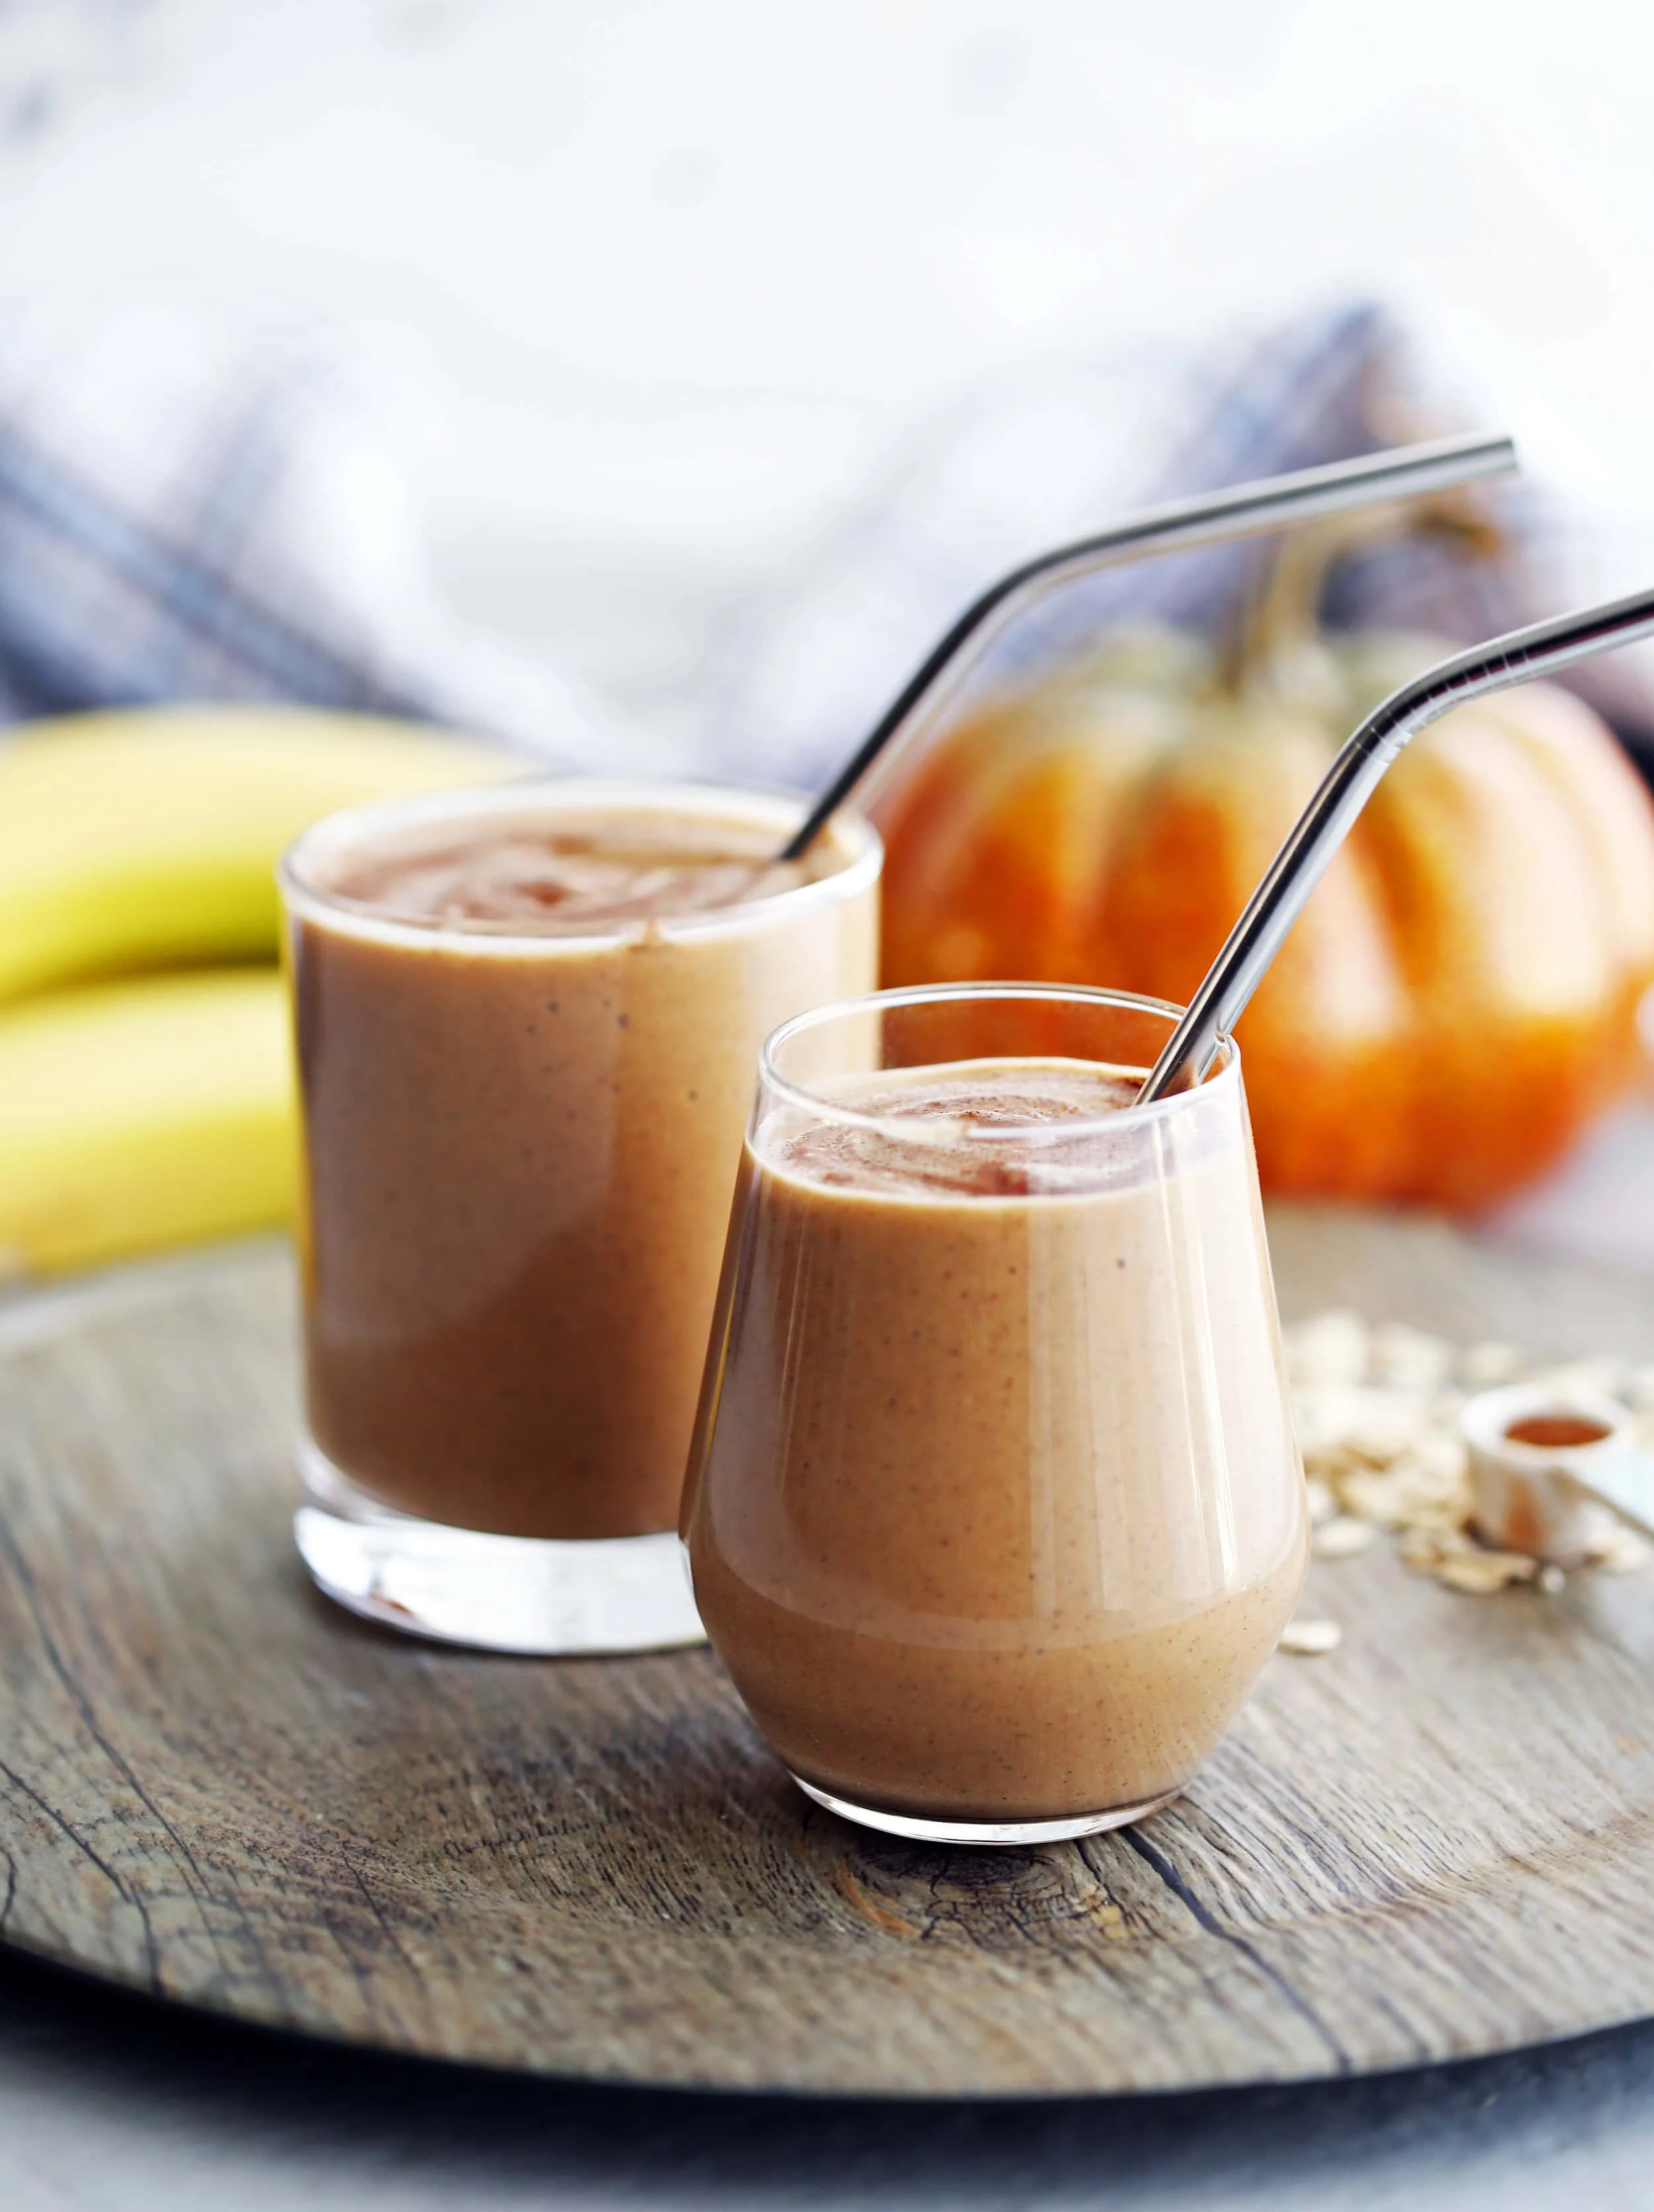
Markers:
<point>695,271</point>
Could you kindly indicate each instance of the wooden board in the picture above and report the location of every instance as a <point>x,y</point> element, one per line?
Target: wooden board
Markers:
<point>1438,1841</point>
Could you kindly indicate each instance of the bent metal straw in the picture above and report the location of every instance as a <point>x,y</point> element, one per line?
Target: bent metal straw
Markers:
<point>1275,905</point>
<point>1213,518</point>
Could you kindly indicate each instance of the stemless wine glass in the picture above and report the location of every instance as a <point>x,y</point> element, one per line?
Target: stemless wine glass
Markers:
<point>994,1511</point>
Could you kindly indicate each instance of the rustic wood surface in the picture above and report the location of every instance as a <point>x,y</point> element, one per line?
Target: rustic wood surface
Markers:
<point>1438,1841</point>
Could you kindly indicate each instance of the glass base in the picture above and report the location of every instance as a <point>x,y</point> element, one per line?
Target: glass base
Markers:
<point>530,1594</point>
<point>993,1832</point>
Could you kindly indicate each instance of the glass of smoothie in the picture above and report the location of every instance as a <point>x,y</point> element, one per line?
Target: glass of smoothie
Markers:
<point>527,1019</point>
<point>994,1511</point>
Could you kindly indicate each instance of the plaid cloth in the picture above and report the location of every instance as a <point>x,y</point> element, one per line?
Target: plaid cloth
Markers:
<point>810,667</point>
<point>187,512</point>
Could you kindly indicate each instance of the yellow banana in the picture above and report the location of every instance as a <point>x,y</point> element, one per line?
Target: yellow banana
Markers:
<point>138,1115</point>
<point>147,839</point>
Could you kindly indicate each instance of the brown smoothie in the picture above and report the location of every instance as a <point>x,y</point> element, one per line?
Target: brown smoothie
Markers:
<point>528,1025</point>
<point>995,1511</point>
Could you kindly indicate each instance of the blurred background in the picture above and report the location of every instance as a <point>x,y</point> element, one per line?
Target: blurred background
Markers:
<point>682,289</point>
<point>644,386</point>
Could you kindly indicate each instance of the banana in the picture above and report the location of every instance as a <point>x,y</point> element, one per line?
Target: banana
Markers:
<point>138,1115</point>
<point>148,838</point>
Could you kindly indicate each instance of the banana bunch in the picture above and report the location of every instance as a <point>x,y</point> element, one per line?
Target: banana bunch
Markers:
<point>141,1109</point>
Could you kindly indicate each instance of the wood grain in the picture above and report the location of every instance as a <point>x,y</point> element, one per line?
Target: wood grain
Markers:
<point>1438,1841</point>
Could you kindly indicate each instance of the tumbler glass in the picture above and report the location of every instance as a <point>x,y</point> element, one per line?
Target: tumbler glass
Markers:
<point>994,1511</point>
<point>520,1146</point>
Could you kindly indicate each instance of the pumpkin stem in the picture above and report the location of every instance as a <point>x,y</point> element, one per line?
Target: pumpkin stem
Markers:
<point>1277,629</point>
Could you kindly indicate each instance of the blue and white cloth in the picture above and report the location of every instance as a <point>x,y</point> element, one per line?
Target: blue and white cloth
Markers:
<point>188,512</point>
<point>195,511</point>
<point>1055,457</point>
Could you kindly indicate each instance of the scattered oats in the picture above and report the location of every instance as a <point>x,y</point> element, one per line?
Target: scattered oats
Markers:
<point>1377,1498</point>
<point>1331,1348</point>
<point>1310,1639</point>
<point>1418,1490</point>
<point>1390,1421</point>
<point>1408,1357</point>
<point>1328,1414</point>
<point>1351,1421</point>
<point>1485,1366</point>
<point>1443,1459</point>
<point>1427,1550</point>
<point>1377,1412</point>
<point>1341,1538</point>
<point>1622,1550</point>
<point>1479,1574</point>
<point>1330,1471</point>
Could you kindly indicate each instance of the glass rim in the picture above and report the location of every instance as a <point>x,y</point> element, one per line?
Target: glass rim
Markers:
<point>781,811</point>
<point>1118,1118</point>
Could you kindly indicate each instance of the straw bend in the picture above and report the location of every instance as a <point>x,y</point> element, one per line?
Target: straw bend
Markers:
<point>1213,518</point>
<point>1321,829</point>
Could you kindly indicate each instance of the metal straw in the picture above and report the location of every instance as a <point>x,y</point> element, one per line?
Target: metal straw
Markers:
<point>1213,518</point>
<point>1349,783</point>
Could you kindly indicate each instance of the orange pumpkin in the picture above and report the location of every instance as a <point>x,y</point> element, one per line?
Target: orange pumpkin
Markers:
<point>1459,996</point>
